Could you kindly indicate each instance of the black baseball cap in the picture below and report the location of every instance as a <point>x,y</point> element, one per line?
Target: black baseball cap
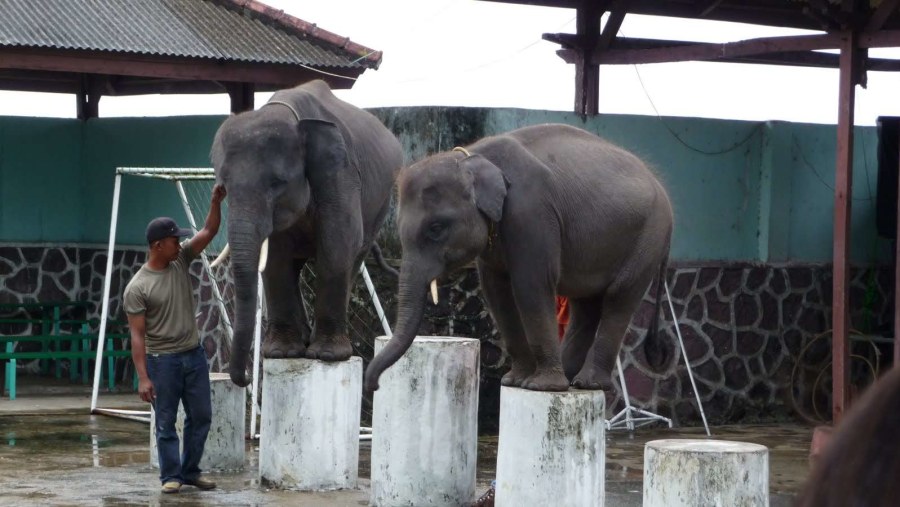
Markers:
<point>163,227</point>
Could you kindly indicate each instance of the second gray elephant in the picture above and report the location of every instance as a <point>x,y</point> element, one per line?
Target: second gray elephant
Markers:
<point>313,175</point>
<point>545,210</point>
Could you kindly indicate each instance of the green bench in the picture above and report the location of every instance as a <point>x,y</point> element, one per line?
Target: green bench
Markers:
<point>79,351</point>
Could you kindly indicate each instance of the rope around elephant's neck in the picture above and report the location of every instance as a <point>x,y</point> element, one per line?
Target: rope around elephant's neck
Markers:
<point>462,150</point>
<point>285,104</point>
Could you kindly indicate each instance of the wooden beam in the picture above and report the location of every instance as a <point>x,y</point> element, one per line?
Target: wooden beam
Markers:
<point>882,12</point>
<point>95,62</point>
<point>713,51</point>
<point>613,23</point>
<point>880,39</point>
<point>843,191</point>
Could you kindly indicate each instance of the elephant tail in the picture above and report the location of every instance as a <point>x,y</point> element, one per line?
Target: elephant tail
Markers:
<point>656,352</point>
<point>375,250</point>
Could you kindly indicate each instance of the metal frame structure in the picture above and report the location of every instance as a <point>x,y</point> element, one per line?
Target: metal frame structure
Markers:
<point>625,418</point>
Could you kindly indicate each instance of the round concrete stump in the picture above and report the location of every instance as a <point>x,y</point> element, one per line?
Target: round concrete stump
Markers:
<point>309,434</point>
<point>425,425</point>
<point>716,473</point>
<point>225,447</point>
<point>551,448</point>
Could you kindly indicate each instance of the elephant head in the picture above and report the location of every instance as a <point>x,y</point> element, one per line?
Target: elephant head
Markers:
<point>270,162</point>
<point>449,207</point>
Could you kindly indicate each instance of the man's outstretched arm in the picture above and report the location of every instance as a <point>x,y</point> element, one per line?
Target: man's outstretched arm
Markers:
<point>213,219</point>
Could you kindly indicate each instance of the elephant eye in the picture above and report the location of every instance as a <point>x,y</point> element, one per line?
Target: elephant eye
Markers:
<point>436,231</point>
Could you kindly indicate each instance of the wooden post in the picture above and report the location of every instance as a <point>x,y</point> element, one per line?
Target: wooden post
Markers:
<point>587,73</point>
<point>241,96</point>
<point>897,270</point>
<point>843,190</point>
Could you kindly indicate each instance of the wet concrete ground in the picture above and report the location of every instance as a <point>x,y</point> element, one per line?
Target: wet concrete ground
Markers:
<point>67,458</point>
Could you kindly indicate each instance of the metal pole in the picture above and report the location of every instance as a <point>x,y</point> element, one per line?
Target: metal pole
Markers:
<point>687,363</point>
<point>104,313</point>
<point>375,302</point>
<point>257,335</point>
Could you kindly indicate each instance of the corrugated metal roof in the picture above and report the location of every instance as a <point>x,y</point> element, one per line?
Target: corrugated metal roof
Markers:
<point>181,28</point>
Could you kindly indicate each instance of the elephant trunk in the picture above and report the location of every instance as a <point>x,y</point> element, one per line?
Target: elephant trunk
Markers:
<point>410,308</point>
<point>245,240</point>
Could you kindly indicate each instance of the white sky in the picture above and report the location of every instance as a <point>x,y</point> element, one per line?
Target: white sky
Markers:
<point>487,54</point>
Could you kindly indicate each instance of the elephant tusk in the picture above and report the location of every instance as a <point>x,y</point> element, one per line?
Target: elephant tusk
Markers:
<point>434,294</point>
<point>222,256</point>
<point>263,255</point>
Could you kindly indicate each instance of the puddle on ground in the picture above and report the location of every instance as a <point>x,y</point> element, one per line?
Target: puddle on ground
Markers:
<point>33,448</point>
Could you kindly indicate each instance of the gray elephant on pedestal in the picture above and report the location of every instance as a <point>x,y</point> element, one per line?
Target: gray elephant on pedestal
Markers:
<point>313,175</point>
<point>545,210</point>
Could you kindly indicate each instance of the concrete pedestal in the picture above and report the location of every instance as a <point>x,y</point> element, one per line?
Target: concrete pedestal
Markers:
<point>425,425</point>
<point>551,449</point>
<point>225,445</point>
<point>309,435</point>
<point>717,473</point>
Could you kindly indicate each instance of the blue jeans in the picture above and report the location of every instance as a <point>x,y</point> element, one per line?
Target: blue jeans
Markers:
<point>184,377</point>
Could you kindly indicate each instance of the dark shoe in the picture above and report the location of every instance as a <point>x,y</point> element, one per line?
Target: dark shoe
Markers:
<point>486,500</point>
<point>201,483</point>
<point>171,487</point>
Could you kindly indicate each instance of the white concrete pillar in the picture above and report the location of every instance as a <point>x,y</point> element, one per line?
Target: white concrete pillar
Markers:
<point>551,448</point>
<point>716,473</point>
<point>309,435</point>
<point>425,425</point>
<point>225,446</point>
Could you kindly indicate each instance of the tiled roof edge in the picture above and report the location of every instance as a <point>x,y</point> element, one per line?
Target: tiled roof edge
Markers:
<point>278,16</point>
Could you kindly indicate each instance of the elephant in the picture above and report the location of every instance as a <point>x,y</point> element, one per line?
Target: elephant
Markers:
<point>544,210</point>
<point>308,176</point>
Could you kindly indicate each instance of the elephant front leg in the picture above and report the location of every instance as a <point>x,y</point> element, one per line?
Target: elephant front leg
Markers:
<point>287,330</point>
<point>536,302</point>
<point>498,294</point>
<point>331,341</point>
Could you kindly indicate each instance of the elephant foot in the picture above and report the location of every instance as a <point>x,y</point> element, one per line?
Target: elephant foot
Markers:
<point>336,348</point>
<point>282,347</point>
<point>517,374</point>
<point>546,380</point>
<point>593,379</point>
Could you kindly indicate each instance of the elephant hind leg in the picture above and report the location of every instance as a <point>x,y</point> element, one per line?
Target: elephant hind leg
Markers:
<point>596,373</point>
<point>580,333</point>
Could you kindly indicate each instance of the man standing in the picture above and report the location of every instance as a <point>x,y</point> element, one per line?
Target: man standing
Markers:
<point>165,345</point>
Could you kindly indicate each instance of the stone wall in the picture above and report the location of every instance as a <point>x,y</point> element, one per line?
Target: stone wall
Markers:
<point>744,327</point>
<point>54,274</point>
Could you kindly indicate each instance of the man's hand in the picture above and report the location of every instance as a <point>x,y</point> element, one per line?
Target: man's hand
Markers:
<point>145,390</point>
<point>218,193</point>
<point>211,227</point>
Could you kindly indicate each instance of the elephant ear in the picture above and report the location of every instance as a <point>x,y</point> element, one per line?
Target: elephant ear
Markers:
<point>489,183</point>
<point>326,152</point>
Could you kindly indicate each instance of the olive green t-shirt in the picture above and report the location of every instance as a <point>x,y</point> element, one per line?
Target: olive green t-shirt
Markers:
<point>166,298</point>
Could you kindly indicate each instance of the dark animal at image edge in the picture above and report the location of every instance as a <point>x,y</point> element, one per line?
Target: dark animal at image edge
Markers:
<point>312,175</point>
<point>544,210</point>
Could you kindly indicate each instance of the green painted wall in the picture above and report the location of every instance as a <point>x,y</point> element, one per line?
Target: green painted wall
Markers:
<point>56,176</point>
<point>746,191</point>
